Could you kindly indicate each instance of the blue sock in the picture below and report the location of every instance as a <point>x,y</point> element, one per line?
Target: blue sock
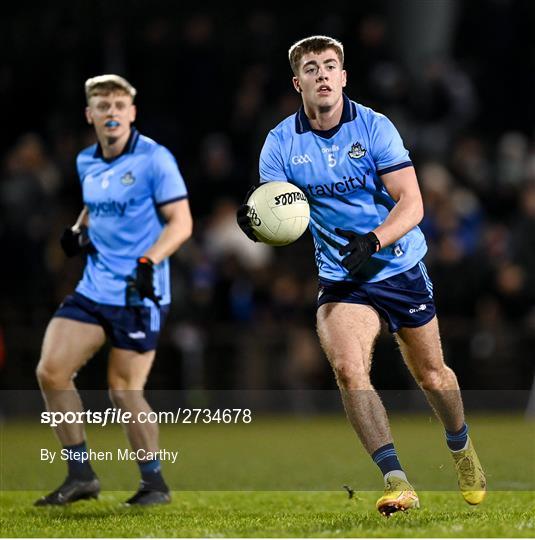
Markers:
<point>78,462</point>
<point>386,459</point>
<point>151,475</point>
<point>456,440</point>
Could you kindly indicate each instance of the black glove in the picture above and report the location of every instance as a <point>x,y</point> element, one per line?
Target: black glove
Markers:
<point>144,282</point>
<point>243,219</point>
<point>76,242</point>
<point>360,248</point>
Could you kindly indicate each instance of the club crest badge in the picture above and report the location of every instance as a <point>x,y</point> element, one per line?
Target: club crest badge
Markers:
<point>357,151</point>
<point>128,179</point>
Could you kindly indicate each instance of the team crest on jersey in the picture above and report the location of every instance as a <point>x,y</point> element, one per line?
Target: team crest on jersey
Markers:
<point>357,151</point>
<point>128,179</point>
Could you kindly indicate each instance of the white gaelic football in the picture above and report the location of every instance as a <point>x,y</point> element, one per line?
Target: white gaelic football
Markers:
<point>279,213</point>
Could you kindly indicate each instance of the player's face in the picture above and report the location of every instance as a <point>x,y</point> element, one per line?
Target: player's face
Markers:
<point>111,115</point>
<point>321,79</point>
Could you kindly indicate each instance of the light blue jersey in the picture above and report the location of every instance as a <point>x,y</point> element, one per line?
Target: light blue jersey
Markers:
<point>340,172</point>
<point>123,196</point>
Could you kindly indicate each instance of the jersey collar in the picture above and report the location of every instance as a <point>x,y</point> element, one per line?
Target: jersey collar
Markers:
<point>129,147</point>
<point>302,123</point>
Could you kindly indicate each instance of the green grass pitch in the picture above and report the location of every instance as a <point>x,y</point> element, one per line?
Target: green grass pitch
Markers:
<point>277,477</point>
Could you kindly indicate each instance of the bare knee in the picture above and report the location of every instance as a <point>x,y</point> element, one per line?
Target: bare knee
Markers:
<point>52,377</point>
<point>435,379</point>
<point>118,397</point>
<point>122,391</point>
<point>350,375</point>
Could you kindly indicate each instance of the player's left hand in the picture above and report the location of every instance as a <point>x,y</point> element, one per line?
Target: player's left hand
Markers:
<point>360,248</point>
<point>144,282</point>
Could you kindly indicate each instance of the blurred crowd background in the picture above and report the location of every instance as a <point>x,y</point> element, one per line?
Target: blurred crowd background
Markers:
<point>455,77</point>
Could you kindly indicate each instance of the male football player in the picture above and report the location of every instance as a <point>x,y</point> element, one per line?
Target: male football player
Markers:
<point>135,215</point>
<point>365,205</point>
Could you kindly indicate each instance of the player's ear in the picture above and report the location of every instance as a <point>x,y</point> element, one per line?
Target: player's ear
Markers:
<point>88,115</point>
<point>296,84</point>
<point>344,78</point>
<point>133,112</point>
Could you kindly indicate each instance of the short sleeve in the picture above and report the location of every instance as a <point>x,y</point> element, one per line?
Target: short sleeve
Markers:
<point>79,169</point>
<point>81,166</point>
<point>388,150</point>
<point>271,166</point>
<point>168,184</point>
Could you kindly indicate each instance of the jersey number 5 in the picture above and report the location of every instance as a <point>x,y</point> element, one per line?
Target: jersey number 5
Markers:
<point>331,160</point>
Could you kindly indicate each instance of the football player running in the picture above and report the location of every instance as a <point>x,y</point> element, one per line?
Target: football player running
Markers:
<point>136,214</point>
<point>365,206</point>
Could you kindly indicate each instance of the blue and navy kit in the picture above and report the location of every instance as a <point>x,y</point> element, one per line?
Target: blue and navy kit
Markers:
<point>136,328</point>
<point>123,195</point>
<point>403,301</point>
<point>340,172</point>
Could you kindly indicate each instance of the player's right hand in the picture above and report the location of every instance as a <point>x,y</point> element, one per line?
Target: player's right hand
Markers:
<point>144,282</point>
<point>243,219</point>
<point>76,241</point>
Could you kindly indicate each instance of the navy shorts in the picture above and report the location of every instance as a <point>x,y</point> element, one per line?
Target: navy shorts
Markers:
<point>135,328</point>
<point>403,301</point>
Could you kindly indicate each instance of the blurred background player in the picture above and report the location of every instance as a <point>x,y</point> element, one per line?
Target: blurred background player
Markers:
<point>136,214</point>
<point>365,207</point>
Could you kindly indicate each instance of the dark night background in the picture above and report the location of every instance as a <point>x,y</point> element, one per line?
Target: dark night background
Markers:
<point>455,77</point>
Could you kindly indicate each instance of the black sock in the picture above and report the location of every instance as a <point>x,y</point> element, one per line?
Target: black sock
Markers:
<point>151,475</point>
<point>78,462</point>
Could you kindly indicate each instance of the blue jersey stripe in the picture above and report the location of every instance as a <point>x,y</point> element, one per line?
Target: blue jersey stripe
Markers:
<point>163,203</point>
<point>395,168</point>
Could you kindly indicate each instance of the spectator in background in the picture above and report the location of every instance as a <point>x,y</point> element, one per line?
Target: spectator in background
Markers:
<point>242,100</point>
<point>219,173</point>
<point>28,205</point>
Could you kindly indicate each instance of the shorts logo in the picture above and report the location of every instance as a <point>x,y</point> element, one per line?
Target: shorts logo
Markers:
<point>301,160</point>
<point>137,335</point>
<point>128,179</point>
<point>421,307</point>
<point>357,151</point>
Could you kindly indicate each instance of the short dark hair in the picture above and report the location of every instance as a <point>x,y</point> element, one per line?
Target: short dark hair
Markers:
<point>313,44</point>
